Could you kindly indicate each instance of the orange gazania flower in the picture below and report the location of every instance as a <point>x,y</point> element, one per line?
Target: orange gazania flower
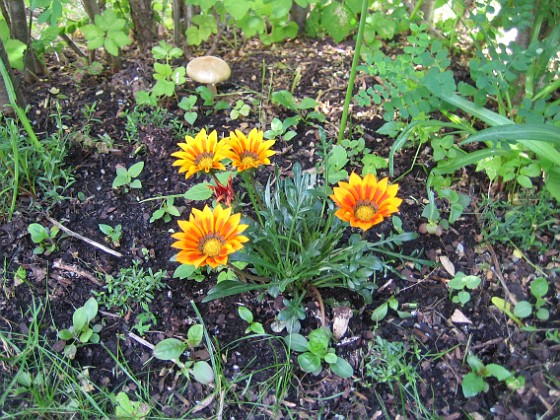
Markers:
<point>200,153</point>
<point>249,152</point>
<point>365,202</point>
<point>209,236</point>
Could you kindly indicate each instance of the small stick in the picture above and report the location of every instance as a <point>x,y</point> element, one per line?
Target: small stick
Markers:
<point>500,275</point>
<point>83,238</point>
<point>141,340</point>
<point>74,269</point>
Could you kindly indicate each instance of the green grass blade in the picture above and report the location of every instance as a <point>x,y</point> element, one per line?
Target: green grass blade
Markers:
<point>518,132</point>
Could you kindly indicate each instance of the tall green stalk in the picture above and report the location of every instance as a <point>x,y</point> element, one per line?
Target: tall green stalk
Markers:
<point>353,70</point>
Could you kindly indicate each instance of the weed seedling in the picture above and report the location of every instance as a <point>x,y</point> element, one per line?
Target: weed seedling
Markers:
<point>113,235</point>
<point>166,210</point>
<point>81,332</point>
<point>126,178</point>
<point>44,238</point>
<point>144,320</point>
<point>187,104</point>
<point>524,308</point>
<point>474,382</point>
<point>172,348</point>
<point>282,129</point>
<point>130,409</point>
<point>316,350</point>
<point>131,285</point>
<point>382,310</point>
<point>246,315</point>
<point>240,109</point>
<point>460,283</point>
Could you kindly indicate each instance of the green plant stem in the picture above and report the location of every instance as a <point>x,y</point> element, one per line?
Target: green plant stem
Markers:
<point>353,70</point>
<point>250,185</point>
<point>20,112</point>
<point>415,11</point>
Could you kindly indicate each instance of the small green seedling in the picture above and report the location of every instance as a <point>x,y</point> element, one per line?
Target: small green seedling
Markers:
<point>113,235</point>
<point>435,224</point>
<point>282,129</point>
<point>240,109</point>
<point>172,348</point>
<point>126,177</point>
<point>289,317</point>
<point>81,331</point>
<point>166,210</point>
<point>382,310</point>
<point>144,320</point>
<point>474,382</point>
<point>44,238</point>
<point>460,283</point>
<point>524,308</point>
<point>246,315</point>
<point>127,409</point>
<point>316,350</point>
<point>187,104</point>
<point>507,309</point>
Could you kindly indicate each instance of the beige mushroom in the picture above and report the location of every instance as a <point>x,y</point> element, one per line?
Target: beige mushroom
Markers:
<point>208,70</point>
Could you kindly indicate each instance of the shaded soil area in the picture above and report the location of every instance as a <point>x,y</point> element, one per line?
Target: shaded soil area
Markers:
<point>438,336</point>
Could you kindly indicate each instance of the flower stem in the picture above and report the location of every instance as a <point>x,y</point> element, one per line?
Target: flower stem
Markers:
<point>251,190</point>
<point>353,70</point>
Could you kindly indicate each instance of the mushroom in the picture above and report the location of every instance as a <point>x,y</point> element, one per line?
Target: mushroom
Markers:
<point>209,70</point>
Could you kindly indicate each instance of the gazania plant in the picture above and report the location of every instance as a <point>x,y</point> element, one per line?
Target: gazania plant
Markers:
<point>295,240</point>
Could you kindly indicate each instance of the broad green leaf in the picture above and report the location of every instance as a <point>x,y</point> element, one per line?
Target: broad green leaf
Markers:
<point>309,362</point>
<point>245,314</point>
<point>203,372</point>
<point>308,103</point>
<point>86,335</point>
<point>136,184</point>
<point>136,169</point>
<point>111,47</point>
<point>539,287</point>
<point>342,368</point>
<point>16,52</point>
<point>65,334</point>
<point>91,308</point>
<point>296,342</point>
<point>237,8</point>
<point>170,348</point>
<point>284,98</point>
<point>330,358</point>
<point>380,312</point>
<point>199,192</point>
<point>80,319</point>
<point>184,271</point>
<point>472,385</point>
<point>195,334</point>
<point>497,371</point>
<point>543,314</point>
<point>524,181</point>
<point>338,20</point>
<point>38,233</point>
<point>523,309</point>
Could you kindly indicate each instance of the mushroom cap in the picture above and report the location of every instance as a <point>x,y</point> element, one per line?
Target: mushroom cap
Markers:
<point>208,70</point>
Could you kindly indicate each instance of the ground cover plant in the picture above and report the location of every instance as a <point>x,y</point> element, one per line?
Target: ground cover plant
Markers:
<point>361,222</point>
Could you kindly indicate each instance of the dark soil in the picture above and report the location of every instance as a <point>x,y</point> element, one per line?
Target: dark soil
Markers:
<point>69,274</point>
